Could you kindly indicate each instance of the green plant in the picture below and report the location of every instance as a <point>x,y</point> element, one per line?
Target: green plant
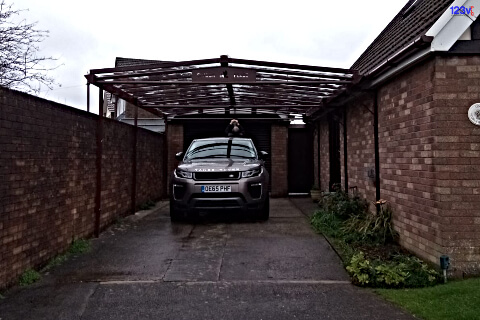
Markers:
<point>391,275</point>
<point>79,246</point>
<point>376,226</point>
<point>56,261</point>
<point>326,223</point>
<point>420,273</point>
<point>360,269</point>
<point>29,277</point>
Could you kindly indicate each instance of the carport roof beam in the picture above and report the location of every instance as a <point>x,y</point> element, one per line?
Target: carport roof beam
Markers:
<point>169,88</point>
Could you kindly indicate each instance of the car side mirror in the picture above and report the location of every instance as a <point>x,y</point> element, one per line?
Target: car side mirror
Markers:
<point>264,155</point>
<point>179,156</point>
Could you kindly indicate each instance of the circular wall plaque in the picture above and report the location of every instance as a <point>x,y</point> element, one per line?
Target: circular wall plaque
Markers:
<point>474,114</point>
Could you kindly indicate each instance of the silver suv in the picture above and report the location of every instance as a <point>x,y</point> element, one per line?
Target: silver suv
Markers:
<point>224,174</point>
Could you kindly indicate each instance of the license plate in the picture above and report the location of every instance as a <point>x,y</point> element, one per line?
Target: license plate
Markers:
<point>216,188</point>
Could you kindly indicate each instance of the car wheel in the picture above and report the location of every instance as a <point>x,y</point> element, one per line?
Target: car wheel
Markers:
<point>175,215</point>
<point>265,211</point>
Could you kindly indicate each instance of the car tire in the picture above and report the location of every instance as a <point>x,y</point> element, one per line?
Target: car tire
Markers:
<point>175,215</point>
<point>264,213</point>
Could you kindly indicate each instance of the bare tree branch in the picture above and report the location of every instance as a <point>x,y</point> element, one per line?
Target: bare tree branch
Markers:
<point>20,65</point>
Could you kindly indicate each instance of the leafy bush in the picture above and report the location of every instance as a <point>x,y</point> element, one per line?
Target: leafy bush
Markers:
<point>402,272</point>
<point>353,229</point>
<point>360,269</point>
<point>342,204</point>
<point>391,274</point>
<point>421,274</point>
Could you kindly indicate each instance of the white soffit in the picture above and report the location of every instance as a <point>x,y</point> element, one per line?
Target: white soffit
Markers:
<point>449,28</point>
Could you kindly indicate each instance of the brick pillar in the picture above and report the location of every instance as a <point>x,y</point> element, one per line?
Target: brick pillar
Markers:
<point>279,160</point>
<point>174,145</point>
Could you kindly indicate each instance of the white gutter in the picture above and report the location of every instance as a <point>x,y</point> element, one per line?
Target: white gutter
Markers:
<point>445,32</point>
<point>401,66</point>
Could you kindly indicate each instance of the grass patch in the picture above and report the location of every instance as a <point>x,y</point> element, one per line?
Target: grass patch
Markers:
<point>457,300</point>
<point>29,277</point>
<point>78,246</point>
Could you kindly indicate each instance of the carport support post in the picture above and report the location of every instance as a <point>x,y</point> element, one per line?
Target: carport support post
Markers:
<point>99,137</point>
<point>134,161</point>
<point>88,96</point>
<point>345,153</point>
<point>318,156</point>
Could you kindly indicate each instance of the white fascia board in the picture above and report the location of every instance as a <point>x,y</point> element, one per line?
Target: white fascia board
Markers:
<point>449,28</point>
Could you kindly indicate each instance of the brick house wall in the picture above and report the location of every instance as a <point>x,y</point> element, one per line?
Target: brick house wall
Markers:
<point>456,158</point>
<point>48,174</point>
<point>429,157</point>
<point>321,127</point>
<point>407,172</point>
<point>130,112</point>
<point>360,148</point>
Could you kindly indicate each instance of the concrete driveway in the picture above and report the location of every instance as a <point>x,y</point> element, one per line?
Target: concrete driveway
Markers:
<point>151,269</point>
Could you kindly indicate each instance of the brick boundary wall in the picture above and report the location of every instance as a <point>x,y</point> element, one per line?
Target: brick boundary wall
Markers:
<point>48,174</point>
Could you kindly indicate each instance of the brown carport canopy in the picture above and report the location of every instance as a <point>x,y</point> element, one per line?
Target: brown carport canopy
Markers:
<point>223,85</point>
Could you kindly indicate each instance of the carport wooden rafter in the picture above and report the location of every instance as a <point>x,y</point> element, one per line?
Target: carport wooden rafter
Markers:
<point>220,85</point>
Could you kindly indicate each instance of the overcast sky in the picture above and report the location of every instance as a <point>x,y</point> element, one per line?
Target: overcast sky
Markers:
<point>90,34</point>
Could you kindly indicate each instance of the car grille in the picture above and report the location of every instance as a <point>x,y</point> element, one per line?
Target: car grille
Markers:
<point>216,203</point>
<point>204,176</point>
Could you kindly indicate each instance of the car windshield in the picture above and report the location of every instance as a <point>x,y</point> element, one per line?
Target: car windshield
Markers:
<point>231,148</point>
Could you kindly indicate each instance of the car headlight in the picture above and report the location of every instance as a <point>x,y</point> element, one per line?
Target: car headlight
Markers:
<point>183,174</point>
<point>250,173</point>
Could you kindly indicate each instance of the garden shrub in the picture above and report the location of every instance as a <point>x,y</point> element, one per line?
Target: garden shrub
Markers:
<point>366,241</point>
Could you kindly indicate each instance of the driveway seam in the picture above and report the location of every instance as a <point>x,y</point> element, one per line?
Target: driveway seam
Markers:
<point>177,253</point>
<point>83,306</point>
<point>223,253</point>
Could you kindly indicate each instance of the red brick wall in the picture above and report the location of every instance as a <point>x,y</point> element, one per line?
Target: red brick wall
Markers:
<point>360,148</point>
<point>150,168</point>
<point>429,157</point>
<point>48,174</point>
<point>279,161</point>
<point>116,171</point>
<point>456,158</point>
<point>406,140</point>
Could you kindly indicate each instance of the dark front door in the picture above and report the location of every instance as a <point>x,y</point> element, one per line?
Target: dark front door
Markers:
<point>300,160</point>
<point>334,151</point>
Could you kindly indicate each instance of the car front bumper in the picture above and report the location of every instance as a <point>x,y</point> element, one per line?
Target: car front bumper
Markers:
<point>246,195</point>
